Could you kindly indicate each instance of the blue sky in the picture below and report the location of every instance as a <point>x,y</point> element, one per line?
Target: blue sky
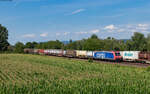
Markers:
<point>43,20</point>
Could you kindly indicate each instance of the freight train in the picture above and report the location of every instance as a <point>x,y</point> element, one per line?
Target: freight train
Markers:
<point>135,56</point>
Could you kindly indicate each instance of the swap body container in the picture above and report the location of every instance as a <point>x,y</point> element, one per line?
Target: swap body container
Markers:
<point>59,52</point>
<point>89,54</point>
<point>41,51</point>
<point>55,52</point>
<point>36,51</point>
<point>64,52</point>
<point>144,56</point>
<point>103,55</point>
<point>70,53</point>
<point>46,52</point>
<point>28,50</point>
<point>130,55</point>
<point>51,51</point>
<point>81,54</point>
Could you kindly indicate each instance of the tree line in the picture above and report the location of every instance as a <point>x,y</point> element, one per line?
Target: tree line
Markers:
<point>138,42</point>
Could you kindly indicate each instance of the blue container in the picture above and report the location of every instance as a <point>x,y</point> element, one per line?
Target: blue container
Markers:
<point>103,55</point>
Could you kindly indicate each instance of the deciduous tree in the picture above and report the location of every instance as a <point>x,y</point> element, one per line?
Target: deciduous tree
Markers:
<point>3,38</point>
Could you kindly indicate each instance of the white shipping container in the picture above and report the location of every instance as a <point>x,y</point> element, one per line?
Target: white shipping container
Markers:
<point>49,51</point>
<point>52,51</point>
<point>35,50</point>
<point>81,53</point>
<point>45,51</point>
<point>130,55</point>
<point>64,52</point>
<point>55,51</point>
<point>89,53</point>
<point>59,51</point>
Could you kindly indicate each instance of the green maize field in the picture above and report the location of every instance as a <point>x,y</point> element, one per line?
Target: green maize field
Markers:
<point>35,74</point>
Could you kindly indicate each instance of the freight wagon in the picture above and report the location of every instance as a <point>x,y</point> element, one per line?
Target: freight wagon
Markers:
<point>50,51</point>
<point>70,53</point>
<point>130,55</point>
<point>59,52</point>
<point>102,55</point>
<point>46,52</point>
<point>29,51</point>
<point>89,54</point>
<point>36,51</point>
<point>41,51</point>
<point>81,54</point>
<point>53,52</point>
<point>107,55</point>
<point>144,56</point>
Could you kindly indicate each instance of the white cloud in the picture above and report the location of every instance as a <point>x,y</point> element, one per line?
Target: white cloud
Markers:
<point>58,34</point>
<point>142,28</point>
<point>110,31</point>
<point>66,33</point>
<point>81,32</point>
<point>29,35</point>
<point>77,11</point>
<point>121,30</point>
<point>44,34</point>
<point>95,31</point>
<point>110,27</point>
<point>133,30</point>
<point>142,25</point>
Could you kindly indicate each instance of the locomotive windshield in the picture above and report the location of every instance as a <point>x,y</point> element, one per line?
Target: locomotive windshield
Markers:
<point>117,54</point>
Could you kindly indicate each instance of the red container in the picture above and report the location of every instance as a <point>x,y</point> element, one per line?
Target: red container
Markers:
<point>41,51</point>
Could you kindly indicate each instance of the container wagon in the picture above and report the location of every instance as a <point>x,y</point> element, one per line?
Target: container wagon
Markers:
<point>59,52</point>
<point>35,51</point>
<point>53,52</point>
<point>107,55</point>
<point>46,52</point>
<point>89,54</point>
<point>29,51</point>
<point>144,56</point>
<point>70,53</point>
<point>130,55</point>
<point>41,51</point>
<point>81,54</point>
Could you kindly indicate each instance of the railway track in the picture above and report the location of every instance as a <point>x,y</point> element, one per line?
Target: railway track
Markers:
<point>123,63</point>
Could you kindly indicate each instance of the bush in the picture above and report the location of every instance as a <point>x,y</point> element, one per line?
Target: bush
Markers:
<point>148,69</point>
<point>90,60</point>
